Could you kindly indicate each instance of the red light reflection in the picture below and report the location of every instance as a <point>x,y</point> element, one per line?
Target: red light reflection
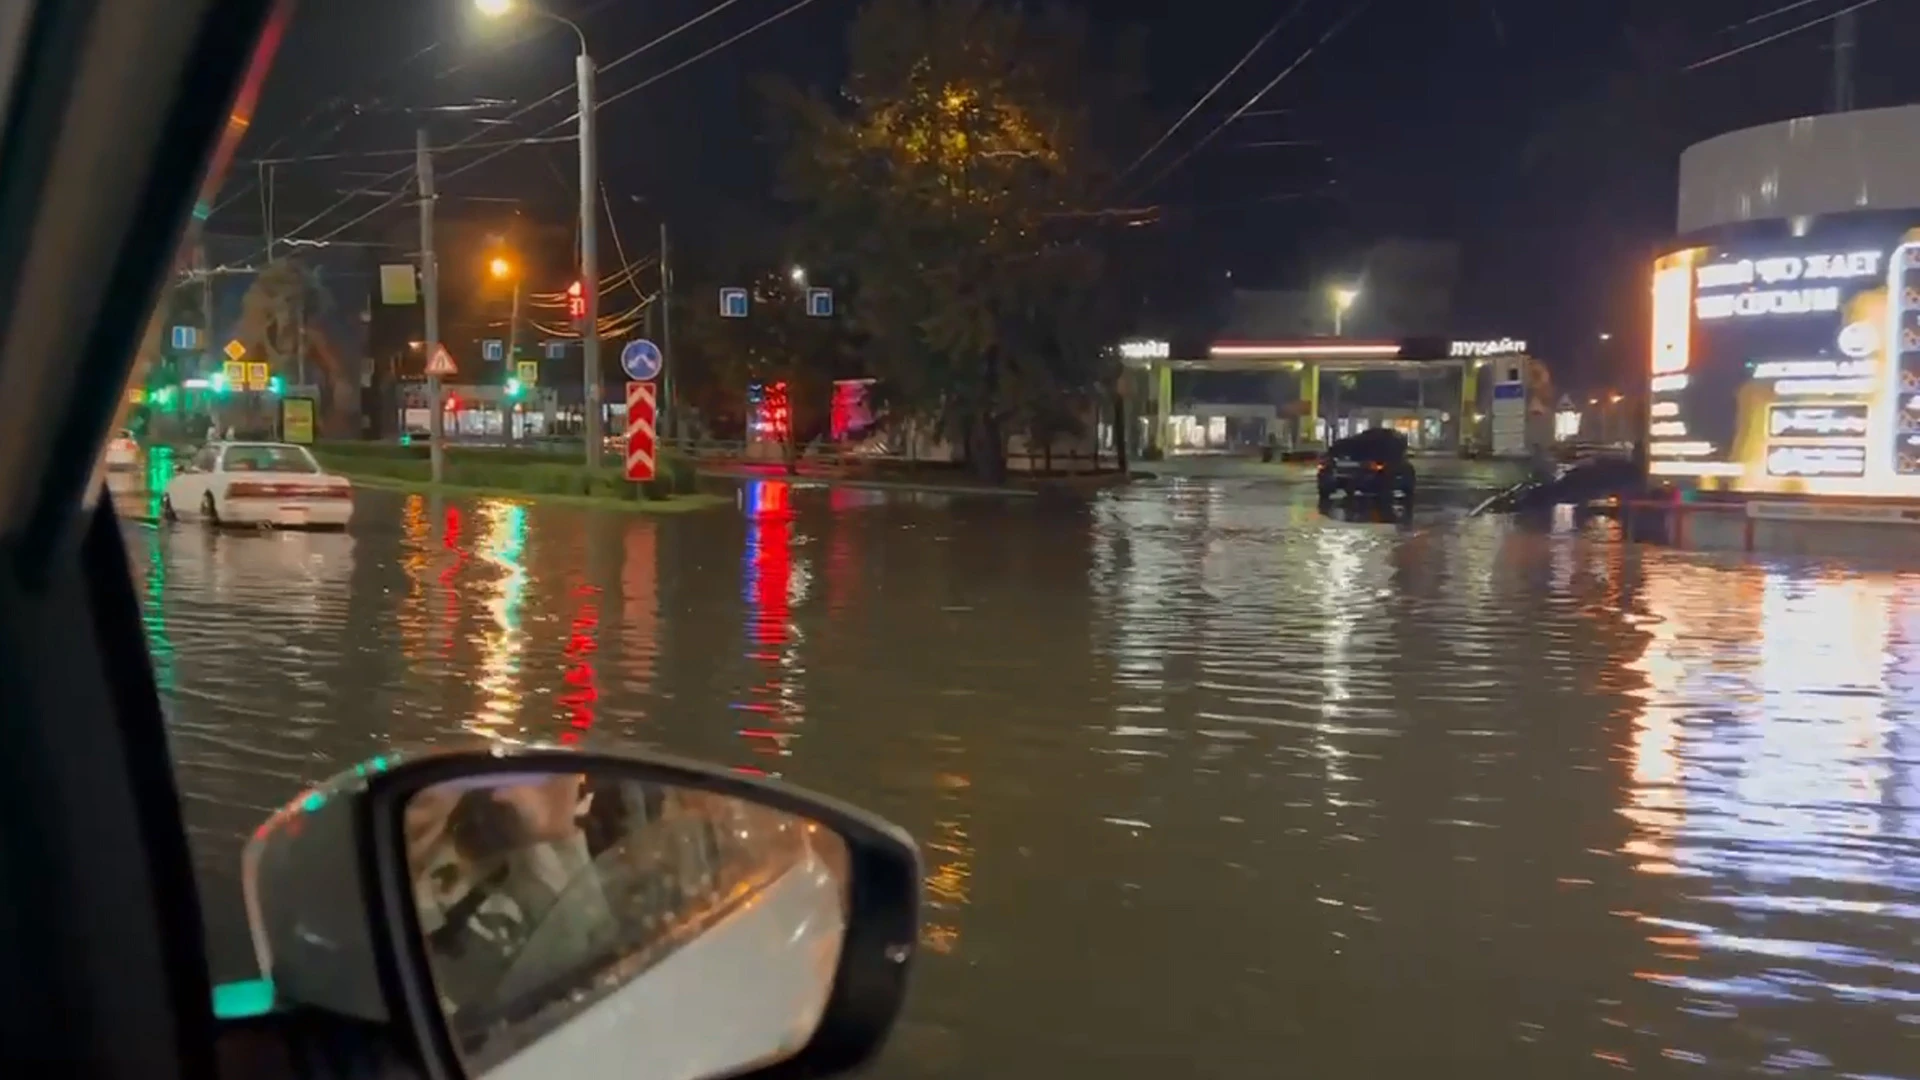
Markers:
<point>583,688</point>
<point>449,595</point>
<point>769,572</point>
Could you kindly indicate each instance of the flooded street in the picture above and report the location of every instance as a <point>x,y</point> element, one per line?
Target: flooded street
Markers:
<point>1209,783</point>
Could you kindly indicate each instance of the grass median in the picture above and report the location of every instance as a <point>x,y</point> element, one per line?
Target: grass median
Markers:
<point>510,472</point>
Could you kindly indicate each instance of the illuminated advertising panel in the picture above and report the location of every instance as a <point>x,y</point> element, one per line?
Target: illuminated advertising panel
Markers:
<point>1790,365</point>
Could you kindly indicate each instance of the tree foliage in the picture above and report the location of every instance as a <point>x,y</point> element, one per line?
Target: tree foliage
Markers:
<point>956,182</point>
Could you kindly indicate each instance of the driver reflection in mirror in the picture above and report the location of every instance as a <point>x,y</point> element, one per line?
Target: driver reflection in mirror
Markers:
<point>539,895</point>
<point>489,860</point>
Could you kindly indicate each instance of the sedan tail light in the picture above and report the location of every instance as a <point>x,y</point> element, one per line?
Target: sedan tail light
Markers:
<point>252,489</point>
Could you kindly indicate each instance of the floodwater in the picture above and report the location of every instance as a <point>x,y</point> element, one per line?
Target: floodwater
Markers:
<point>1209,783</point>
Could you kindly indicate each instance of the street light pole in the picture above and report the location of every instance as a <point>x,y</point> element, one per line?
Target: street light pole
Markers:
<point>589,255</point>
<point>667,428</point>
<point>430,299</point>
<point>589,218</point>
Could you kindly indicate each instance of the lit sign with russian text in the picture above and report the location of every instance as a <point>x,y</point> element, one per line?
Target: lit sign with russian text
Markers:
<point>1786,367</point>
<point>1145,350</point>
<point>1774,285</point>
<point>1496,347</point>
<point>1850,461</point>
<point>1817,421</point>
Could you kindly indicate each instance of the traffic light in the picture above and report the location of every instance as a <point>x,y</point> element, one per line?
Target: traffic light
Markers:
<point>217,382</point>
<point>513,388</point>
<point>576,301</point>
<point>275,385</point>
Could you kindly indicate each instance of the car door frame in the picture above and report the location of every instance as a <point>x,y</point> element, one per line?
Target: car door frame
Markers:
<point>114,108</point>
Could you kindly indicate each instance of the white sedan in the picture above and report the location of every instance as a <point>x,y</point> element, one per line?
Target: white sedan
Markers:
<point>257,483</point>
<point>123,452</point>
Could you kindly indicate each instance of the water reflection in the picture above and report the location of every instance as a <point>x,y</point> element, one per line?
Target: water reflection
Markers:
<point>502,641</point>
<point>1206,781</point>
<point>1770,782</point>
<point>773,583</point>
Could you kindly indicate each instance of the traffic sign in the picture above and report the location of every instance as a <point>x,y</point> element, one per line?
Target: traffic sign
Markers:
<point>235,349</point>
<point>257,375</point>
<point>493,349</point>
<point>733,303</point>
<point>640,438</point>
<point>528,372</point>
<point>235,372</point>
<point>186,338</point>
<point>820,303</point>
<point>557,350</point>
<point>442,362</point>
<point>641,360</point>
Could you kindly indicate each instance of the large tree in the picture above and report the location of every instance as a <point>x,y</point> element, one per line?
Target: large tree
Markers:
<point>958,182</point>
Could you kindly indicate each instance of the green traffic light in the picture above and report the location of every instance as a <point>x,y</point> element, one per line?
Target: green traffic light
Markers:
<point>218,382</point>
<point>513,388</point>
<point>275,385</point>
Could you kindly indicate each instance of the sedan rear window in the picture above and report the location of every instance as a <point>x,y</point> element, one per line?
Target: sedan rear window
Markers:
<point>278,459</point>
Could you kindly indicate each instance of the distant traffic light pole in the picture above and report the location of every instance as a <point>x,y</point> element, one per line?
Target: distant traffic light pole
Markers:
<point>589,220</point>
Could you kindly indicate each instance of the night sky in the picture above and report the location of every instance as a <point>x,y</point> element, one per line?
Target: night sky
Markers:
<point>1541,135</point>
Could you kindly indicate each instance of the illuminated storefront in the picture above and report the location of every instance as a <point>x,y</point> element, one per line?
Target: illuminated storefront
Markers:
<point>1785,346</point>
<point>1790,366</point>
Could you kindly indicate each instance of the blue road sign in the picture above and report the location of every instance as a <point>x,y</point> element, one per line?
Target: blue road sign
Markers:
<point>556,350</point>
<point>493,349</point>
<point>820,303</point>
<point>733,303</point>
<point>186,337</point>
<point>640,360</point>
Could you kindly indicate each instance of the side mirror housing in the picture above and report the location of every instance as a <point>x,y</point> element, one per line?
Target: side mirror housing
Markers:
<point>542,911</point>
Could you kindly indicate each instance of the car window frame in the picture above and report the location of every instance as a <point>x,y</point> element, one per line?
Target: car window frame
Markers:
<point>104,940</point>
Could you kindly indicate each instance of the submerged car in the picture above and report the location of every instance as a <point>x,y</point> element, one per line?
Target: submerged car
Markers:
<point>257,483</point>
<point>1369,464</point>
<point>123,452</point>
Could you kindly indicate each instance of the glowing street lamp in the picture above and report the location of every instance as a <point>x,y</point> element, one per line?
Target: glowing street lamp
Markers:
<point>1343,298</point>
<point>501,268</point>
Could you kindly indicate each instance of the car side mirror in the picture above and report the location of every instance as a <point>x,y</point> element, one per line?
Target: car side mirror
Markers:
<point>542,912</point>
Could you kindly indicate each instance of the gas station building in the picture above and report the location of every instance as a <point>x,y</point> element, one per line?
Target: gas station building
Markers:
<point>1468,394</point>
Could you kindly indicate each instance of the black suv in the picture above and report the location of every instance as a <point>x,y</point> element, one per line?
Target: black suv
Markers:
<point>1370,464</point>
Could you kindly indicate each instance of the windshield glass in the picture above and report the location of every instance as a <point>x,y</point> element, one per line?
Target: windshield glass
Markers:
<point>274,459</point>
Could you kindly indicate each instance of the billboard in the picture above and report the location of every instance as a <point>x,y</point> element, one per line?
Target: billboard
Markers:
<point>1790,364</point>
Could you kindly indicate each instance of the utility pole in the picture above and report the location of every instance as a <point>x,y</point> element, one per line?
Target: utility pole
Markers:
<point>589,257</point>
<point>1844,32</point>
<point>666,339</point>
<point>208,365</point>
<point>430,298</point>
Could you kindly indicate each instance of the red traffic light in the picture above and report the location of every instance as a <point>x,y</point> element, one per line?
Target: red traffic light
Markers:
<point>576,301</point>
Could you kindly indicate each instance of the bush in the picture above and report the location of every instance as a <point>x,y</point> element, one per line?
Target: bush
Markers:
<point>534,471</point>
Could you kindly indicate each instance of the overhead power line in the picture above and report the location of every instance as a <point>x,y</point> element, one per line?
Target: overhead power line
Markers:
<point>635,88</point>
<point>1208,96</point>
<point>1353,12</point>
<point>1771,38</point>
<point>516,114</point>
<point>409,151</point>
